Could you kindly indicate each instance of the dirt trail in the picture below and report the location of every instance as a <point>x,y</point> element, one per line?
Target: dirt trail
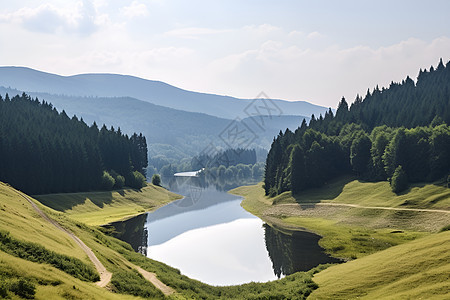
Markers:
<point>312,204</point>
<point>105,275</point>
<point>155,281</point>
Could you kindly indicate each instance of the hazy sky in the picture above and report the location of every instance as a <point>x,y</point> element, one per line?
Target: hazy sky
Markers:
<point>317,51</point>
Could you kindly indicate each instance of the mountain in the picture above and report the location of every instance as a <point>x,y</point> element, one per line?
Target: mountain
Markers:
<point>172,133</point>
<point>156,92</point>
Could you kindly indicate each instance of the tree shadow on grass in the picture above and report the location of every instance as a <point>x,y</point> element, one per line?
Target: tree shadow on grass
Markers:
<point>329,191</point>
<point>63,202</point>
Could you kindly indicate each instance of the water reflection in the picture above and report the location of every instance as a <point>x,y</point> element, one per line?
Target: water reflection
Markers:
<point>295,251</point>
<point>210,237</point>
<point>133,231</point>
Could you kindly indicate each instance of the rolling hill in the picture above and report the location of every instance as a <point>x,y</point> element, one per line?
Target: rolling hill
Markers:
<point>156,92</point>
<point>173,133</point>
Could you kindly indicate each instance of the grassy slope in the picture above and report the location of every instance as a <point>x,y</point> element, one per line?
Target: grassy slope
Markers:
<point>417,267</point>
<point>416,270</point>
<point>116,257</point>
<point>353,232</point>
<point>21,221</point>
<point>98,208</point>
<point>347,190</point>
<point>18,217</point>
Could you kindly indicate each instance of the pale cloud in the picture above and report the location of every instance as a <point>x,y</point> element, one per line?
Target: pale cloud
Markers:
<point>262,29</point>
<point>194,32</point>
<point>47,18</point>
<point>286,61</point>
<point>135,9</point>
<point>295,34</point>
<point>314,35</point>
<point>325,75</point>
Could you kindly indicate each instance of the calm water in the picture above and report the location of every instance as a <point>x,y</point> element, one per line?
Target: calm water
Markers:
<point>210,237</point>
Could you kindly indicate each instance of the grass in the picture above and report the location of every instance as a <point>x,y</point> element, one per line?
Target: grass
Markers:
<point>416,270</point>
<point>400,254</point>
<point>50,282</point>
<point>19,219</point>
<point>350,232</point>
<point>349,241</point>
<point>350,191</point>
<point>98,208</point>
<point>117,257</point>
<point>37,253</point>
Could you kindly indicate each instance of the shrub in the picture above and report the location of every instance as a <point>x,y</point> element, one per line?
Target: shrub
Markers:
<point>3,289</point>
<point>23,288</point>
<point>132,283</point>
<point>399,181</point>
<point>445,228</point>
<point>107,181</point>
<point>135,180</point>
<point>37,253</point>
<point>120,181</point>
<point>156,180</point>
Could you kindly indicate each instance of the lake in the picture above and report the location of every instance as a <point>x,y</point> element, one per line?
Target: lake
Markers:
<point>208,236</point>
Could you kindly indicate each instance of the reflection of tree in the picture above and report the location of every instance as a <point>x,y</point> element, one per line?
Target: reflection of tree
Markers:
<point>293,253</point>
<point>279,247</point>
<point>133,232</point>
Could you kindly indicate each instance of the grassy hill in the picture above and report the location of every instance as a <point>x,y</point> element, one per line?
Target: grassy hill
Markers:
<point>23,223</point>
<point>401,254</point>
<point>98,208</point>
<point>26,226</point>
<point>406,263</point>
<point>417,270</point>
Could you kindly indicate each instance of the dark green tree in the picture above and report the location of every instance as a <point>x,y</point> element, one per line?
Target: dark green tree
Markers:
<point>298,170</point>
<point>156,180</point>
<point>399,180</point>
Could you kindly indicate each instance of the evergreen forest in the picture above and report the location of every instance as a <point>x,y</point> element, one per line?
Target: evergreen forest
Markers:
<point>44,151</point>
<point>400,134</point>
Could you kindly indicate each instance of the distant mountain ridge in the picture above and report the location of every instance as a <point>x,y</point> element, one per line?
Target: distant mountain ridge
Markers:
<point>156,92</point>
<point>173,133</point>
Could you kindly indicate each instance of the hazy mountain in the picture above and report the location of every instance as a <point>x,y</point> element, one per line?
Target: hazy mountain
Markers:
<point>156,92</point>
<point>173,133</point>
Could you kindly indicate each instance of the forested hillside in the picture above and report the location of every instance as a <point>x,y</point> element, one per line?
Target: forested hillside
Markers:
<point>400,134</point>
<point>43,151</point>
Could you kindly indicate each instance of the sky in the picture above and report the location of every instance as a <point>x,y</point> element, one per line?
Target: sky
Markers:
<point>318,51</point>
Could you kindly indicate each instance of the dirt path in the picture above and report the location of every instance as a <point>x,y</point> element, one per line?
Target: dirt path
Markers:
<point>155,281</point>
<point>105,275</point>
<point>312,204</point>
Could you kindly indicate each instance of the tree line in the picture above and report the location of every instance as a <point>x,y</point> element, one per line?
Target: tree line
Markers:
<point>44,151</point>
<point>398,134</point>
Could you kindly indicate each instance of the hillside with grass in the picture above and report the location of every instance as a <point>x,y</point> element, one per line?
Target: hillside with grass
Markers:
<point>395,245</point>
<point>99,208</point>
<point>21,276</point>
<point>417,270</point>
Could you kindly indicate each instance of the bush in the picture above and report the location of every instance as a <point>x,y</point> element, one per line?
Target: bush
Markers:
<point>23,288</point>
<point>156,180</point>
<point>107,181</point>
<point>132,283</point>
<point>399,181</point>
<point>3,289</point>
<point>37,253</point>
<point>135,180</point>
<point>120,181</point>
<point>445,228</point>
